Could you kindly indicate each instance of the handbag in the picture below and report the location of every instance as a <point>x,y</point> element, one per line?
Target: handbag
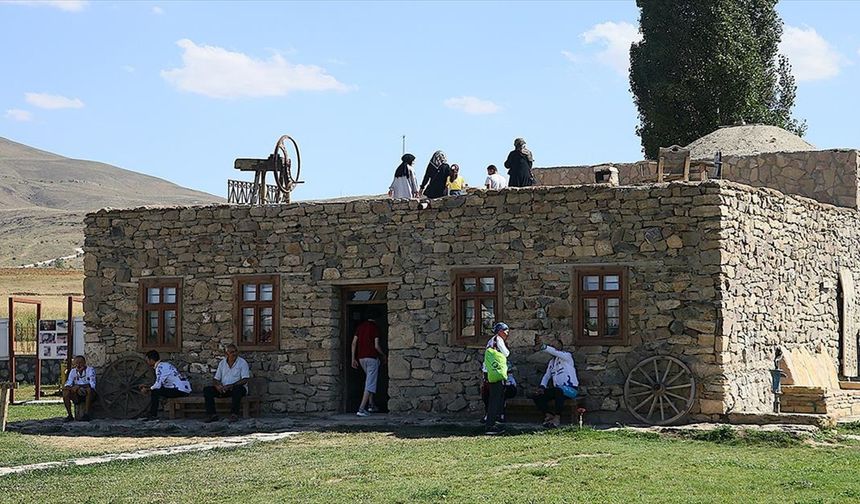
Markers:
<point>569,391</point>
<point>496,364</point>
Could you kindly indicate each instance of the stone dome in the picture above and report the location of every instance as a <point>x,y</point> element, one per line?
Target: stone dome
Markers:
<point>747,140</point>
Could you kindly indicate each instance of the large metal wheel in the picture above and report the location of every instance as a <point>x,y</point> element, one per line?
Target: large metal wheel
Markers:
<point>285,179</point>
<point>660,390</point>
<point>119,387</point>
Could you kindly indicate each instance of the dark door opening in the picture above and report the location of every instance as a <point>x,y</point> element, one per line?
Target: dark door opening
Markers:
<point>361,304</point>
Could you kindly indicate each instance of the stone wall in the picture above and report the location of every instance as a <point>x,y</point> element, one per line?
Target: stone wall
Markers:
<point>628,173</point>
<point>25,371</point>
<point>536,235</point>
<point>828,176</point>
<point>781,261</point>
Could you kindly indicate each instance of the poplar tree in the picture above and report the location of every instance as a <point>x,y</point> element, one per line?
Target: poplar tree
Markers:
<point>702,64</point>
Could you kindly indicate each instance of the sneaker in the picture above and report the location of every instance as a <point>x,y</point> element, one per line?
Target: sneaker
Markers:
<point>495,430</point>
<point>362,413</point>
<point>86,417</point>
<point>233,418</point>
<point>69,418</point>
<point>213,418</point>
<point>373,409</point>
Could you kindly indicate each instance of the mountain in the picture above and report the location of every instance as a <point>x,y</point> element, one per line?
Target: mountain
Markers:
<point>44,197</point>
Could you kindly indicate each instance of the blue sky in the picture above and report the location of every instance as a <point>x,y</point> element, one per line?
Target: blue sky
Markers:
<point>178,90</point>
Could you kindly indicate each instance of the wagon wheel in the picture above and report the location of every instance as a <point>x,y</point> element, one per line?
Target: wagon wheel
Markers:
<point>659,390</point>
<point>119,387</point>
<point>285,165</point>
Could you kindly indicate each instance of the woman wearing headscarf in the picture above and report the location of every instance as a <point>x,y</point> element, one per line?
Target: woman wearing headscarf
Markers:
<point>519,165</point>
<point>436,176</point>
<point>404,185</point>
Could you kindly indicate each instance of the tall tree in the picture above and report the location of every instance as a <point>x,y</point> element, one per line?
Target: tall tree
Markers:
<point>702,64</point>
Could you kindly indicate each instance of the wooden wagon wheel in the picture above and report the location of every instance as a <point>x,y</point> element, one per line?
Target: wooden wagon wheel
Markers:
<point>119,387</point>
<point>285,165</point>
<point>659,390</point>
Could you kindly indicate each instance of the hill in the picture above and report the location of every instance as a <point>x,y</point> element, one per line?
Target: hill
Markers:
<point>44,197</point>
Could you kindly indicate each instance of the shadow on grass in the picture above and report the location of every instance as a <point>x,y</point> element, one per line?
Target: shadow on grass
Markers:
<point>729,436</point>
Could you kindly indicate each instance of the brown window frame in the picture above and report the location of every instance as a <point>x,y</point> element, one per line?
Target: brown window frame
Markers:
<point>240,304</point>
<point>579,295</point>
<point>458,295</point>
<point>144,306</point>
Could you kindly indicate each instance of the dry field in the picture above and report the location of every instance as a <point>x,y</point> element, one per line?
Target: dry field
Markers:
<point>51,286</point>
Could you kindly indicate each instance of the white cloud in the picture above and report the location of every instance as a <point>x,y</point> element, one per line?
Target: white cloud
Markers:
<point>49,101</point>
<point>19,115</point>
<point>472,105</point>
<point>616,39</point>
<point>812,57</point>
<point>157,10</point>
<point>66,5</point>
<point>218,73</point>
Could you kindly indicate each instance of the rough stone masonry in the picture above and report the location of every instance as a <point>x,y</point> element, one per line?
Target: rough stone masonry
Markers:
<point>707,284</point>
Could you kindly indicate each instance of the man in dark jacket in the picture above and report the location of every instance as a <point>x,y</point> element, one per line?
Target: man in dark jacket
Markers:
<point>519,165</point>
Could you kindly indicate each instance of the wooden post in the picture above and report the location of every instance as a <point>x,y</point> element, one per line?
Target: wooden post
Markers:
<point>38,378</point>
<point>4,404</point>
<point>12,376</point>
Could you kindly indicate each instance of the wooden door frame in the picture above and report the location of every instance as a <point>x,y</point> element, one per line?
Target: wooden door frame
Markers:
<point>346,339</point>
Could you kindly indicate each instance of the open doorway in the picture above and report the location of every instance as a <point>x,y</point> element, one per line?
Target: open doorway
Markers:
<point>359,304</point>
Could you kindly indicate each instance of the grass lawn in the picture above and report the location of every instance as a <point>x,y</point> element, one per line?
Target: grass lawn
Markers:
<point>433,465</point>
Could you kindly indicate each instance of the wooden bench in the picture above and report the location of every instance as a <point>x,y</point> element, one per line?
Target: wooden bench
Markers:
<point>195,404</point>
<point>522,408</point>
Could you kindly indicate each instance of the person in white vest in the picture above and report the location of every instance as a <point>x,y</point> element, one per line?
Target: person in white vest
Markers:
<point>168,383</point>
<point>80,387</point>
<point>231,379</point>
<point>561,371</point>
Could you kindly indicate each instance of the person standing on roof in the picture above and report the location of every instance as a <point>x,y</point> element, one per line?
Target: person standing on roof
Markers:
<point>519,165</point>
<point>433,184</point>
<point>404,185</point>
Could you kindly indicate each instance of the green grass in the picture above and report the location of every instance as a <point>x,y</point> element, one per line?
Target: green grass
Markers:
<point>453,465</point>
<point>19,449</point>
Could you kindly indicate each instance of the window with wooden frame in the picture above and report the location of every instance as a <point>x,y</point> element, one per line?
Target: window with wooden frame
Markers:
<point>160,314</point>
<point>477,296</point>
<point>257,312</point>
<point>600,297</point>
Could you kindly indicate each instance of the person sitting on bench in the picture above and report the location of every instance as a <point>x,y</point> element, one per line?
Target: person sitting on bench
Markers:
<point>230,380</point>
<point>168,383</point>
<point>562,371</point>
<point>80,387</point>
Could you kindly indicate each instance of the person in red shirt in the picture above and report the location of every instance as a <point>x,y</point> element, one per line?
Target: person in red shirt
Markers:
<point>367,353</point>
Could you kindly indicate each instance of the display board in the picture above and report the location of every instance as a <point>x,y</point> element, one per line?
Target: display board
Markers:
<point>53,339</point>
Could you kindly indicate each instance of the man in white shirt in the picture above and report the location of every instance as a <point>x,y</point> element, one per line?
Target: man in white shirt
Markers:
<point>565,384</point>
<point>80,387</point>
<point>230,380</point>
<point>168,383</point>
<point>494,179</point>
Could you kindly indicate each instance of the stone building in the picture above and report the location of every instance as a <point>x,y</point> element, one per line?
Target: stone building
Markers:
<point>715,274</point>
